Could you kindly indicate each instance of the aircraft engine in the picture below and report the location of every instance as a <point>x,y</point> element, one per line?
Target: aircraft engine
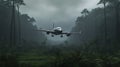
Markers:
<point>68,34</point>
<point>61,36</point>
<point>52,35</point>
<point>48,33</point>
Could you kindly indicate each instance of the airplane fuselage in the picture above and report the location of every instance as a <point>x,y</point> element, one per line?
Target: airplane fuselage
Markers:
<point>57,31</point>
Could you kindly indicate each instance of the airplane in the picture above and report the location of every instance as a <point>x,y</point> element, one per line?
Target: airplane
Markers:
<point>58,31</point>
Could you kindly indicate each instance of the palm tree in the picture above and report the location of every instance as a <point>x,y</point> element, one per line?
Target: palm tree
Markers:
<point>105,19</point>
<point>117,21</point>
<point>13,21</point>
<point>85,12</point>
<point>116,4</point>
<point>18,4</point>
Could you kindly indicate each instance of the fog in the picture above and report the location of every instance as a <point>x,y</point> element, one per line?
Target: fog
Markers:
<point>61,12</point>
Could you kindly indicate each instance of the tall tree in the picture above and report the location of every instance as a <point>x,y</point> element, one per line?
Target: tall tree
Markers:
<point>13,23</point>
<point>104,2</point>
<point>18,4</point>
<point>85,12</point>
<point>116,4</point>
<point>10,2</point>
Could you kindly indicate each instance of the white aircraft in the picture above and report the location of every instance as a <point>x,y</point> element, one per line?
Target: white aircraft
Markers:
<point>58,31</point>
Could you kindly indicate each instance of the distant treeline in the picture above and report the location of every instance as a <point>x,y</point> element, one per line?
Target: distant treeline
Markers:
<point>100,27</point>
<point>25,33</point>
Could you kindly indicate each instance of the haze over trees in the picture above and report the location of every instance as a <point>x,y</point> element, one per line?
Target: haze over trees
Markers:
<point>99,26</point>
<point>96,46</point>
<point>28,33</point>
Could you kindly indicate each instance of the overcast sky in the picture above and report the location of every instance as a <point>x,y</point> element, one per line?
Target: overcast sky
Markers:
<point>61,12</point>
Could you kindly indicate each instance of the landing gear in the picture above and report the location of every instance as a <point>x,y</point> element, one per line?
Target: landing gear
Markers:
<point>61,36</point>
<point>52,35</point>
<point>68,35</point>
<point>47,33</point>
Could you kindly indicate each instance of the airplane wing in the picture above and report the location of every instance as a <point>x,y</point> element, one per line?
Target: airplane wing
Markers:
<point>70,33</point>
<point>43,30</point>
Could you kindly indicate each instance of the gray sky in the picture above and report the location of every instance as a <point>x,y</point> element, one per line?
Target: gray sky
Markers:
<point>61,12</point>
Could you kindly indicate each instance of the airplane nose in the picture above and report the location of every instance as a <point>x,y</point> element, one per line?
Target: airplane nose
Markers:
<point>61,31</point>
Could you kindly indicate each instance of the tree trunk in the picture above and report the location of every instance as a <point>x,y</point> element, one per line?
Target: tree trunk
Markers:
<point>117,23</point>
<point>105,21</point>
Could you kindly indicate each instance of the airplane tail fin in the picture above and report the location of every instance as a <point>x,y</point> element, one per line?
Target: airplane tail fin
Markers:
<point>53,25</point>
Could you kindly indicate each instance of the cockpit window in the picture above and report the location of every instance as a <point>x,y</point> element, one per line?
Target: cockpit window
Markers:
<point>58,28</point>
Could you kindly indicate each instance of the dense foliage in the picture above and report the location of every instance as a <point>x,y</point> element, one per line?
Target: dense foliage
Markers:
<point>91,48</point>
<point>27,29</point>
<point>93,27</point>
